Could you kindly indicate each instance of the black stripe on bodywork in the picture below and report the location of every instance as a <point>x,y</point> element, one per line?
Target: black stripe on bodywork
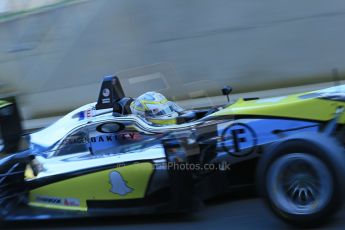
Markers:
<point>159,197</point>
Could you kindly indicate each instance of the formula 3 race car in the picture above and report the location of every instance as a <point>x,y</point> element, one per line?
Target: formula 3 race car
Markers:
<point>102,160</point>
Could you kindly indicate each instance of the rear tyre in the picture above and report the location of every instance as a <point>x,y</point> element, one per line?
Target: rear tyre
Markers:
<point>300,178</point>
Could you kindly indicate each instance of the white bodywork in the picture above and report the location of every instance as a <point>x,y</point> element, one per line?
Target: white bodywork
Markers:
<point>76,162</point>
<point>53,136</point>
<point>57,131</point>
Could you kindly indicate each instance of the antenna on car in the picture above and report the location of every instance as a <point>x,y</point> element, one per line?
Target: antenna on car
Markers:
<point>226,91</point>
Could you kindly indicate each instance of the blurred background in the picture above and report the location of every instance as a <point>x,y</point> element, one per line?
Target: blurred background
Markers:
<point>54,53</point>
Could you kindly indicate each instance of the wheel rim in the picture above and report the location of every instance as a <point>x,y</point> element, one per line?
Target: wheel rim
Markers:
<point>299,183</point>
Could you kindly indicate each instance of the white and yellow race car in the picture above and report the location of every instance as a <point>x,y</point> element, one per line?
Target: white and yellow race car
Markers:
<point>102,160</point>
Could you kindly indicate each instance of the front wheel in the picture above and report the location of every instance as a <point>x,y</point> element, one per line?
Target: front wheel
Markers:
<point>300,178</point>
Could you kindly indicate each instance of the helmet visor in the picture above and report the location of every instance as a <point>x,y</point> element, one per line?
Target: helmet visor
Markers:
<point>159,110</point>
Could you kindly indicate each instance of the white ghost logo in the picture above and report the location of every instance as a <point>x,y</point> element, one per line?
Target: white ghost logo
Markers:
<point>118,184</point>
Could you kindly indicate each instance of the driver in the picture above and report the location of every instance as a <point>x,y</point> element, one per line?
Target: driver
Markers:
<point>156,108</point>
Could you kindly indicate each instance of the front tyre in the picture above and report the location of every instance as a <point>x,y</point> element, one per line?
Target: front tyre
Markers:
<point>300,178</point>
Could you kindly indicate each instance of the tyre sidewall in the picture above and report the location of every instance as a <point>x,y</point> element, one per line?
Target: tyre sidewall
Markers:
<point>322,147</point>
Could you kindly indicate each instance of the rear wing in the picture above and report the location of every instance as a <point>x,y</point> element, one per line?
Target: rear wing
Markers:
<point>10,125</point>
<point>111,92</point>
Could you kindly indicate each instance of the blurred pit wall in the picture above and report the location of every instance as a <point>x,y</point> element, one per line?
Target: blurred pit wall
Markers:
<point>11,6</point>
<point>55,60</point>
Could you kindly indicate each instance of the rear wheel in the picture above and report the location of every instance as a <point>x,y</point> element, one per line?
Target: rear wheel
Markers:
<point>300,178</point>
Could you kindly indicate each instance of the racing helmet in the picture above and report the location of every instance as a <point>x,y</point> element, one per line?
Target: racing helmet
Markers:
<point>155,107</point>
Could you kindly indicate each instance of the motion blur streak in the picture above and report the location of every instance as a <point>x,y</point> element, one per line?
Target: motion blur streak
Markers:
<point>63,52</point>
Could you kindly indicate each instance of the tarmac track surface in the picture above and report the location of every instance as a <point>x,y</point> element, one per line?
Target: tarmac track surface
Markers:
<point>232,211</point>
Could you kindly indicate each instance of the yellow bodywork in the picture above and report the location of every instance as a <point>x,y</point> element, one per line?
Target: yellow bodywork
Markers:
<point>73,193</point>
<point>292,106</point>
<point>163,121</point>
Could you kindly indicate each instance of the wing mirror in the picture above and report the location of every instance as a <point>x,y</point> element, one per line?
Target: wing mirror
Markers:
<point>226,91</point>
